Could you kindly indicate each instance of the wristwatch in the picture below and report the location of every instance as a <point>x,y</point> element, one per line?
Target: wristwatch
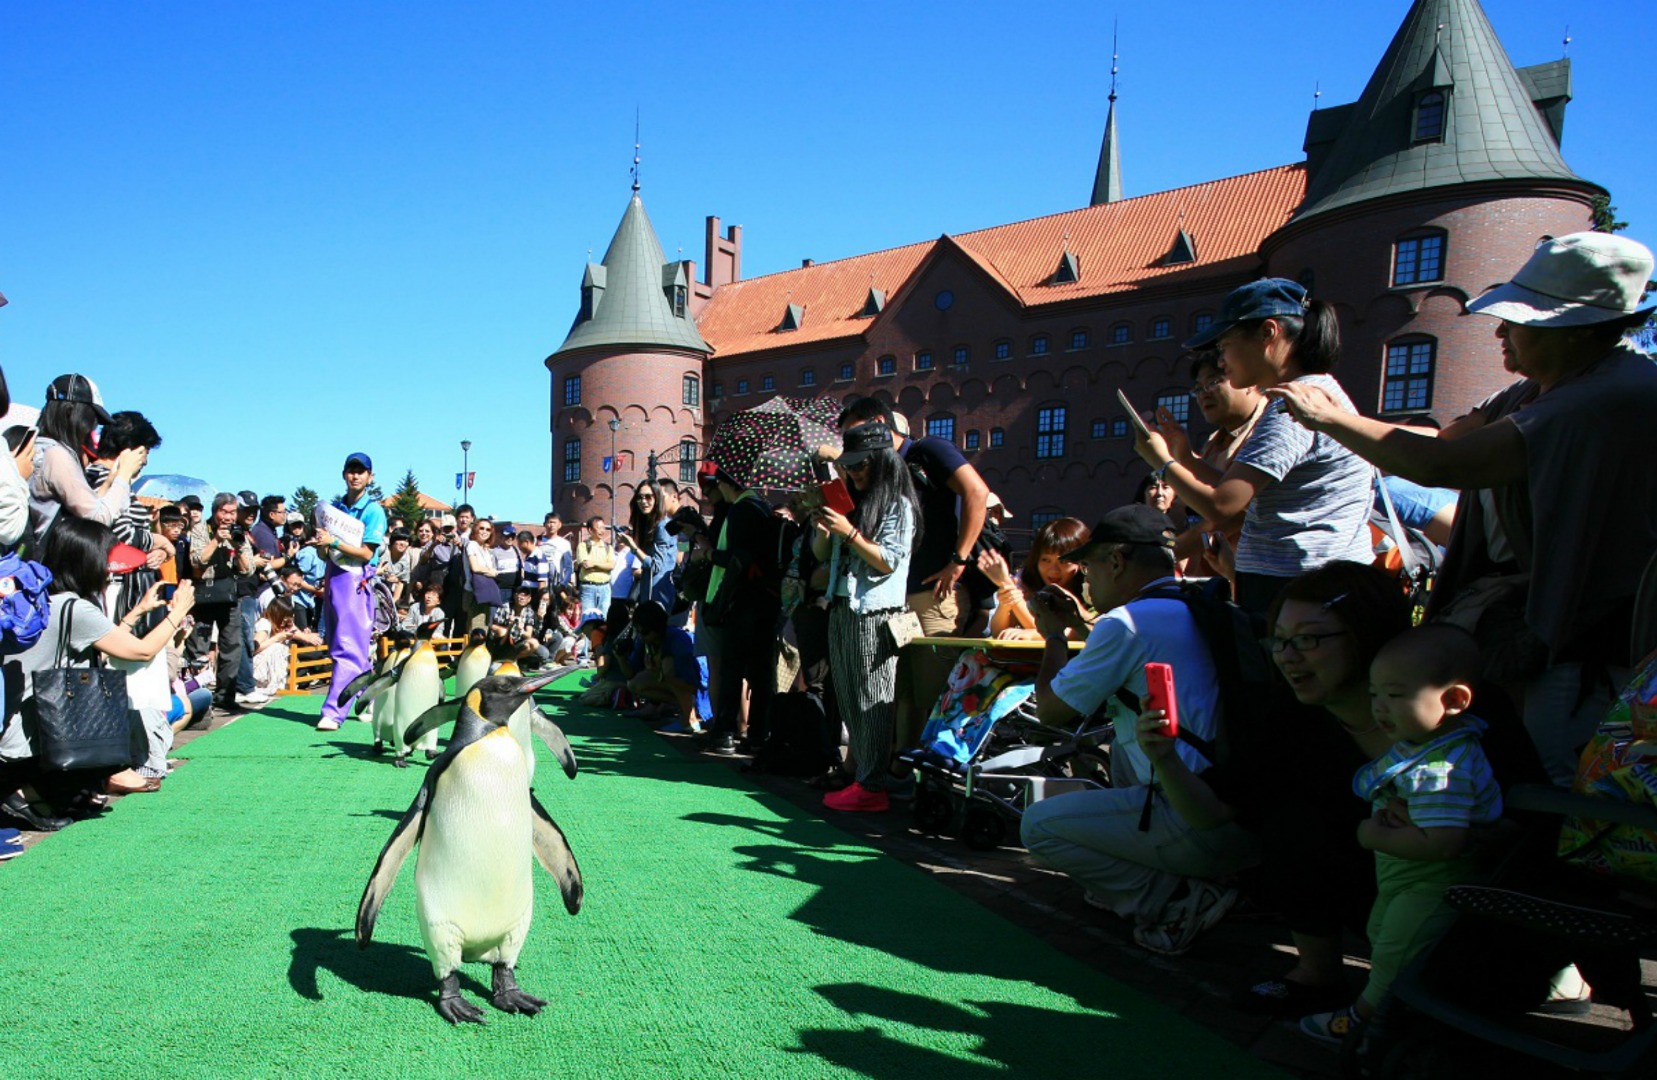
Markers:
<point>957,560</point>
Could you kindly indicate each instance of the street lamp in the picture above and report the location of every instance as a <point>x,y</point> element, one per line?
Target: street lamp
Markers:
<point>615,426</point>
<point>465,471</point>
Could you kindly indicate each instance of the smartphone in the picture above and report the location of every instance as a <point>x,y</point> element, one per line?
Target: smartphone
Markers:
<point>837,498</point>
<point>167,592</point>
<point>1159,687</point>
<point>1215,539</point>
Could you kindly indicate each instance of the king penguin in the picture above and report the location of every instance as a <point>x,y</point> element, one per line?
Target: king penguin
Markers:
<point>476,823</point>
<point>373,687</point>
<point>527,722</point>
<point>473,664</point>
<point>419,687</point>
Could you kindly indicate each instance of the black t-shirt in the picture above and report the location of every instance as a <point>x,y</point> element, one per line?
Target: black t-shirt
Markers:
<point>932,461</point>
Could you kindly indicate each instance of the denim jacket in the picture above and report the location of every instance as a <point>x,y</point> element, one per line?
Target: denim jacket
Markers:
<point>865,590</point>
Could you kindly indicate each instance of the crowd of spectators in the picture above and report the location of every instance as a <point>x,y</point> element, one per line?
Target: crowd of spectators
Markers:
<point>1346,789</point>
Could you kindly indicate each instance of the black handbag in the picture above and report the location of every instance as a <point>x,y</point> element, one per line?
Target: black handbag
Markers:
<point>485,590</point>
<point>82,719</point>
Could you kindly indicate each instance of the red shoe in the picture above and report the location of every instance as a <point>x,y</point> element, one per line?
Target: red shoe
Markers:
<point>854,798</point>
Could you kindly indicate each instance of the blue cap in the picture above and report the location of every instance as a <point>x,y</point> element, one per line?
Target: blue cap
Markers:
<point>1261,299</point>
<point>362,459</point>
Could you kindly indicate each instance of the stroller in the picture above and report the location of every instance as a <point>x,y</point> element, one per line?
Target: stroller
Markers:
<point>984,757</point>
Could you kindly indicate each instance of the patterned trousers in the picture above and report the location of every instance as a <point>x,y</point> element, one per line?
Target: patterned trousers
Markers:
<point>865,668</point>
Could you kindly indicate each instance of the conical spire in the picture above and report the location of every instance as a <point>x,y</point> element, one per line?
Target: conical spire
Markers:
<point>1445,56</point>
<point>626,300</point>
<point>1107,179</point>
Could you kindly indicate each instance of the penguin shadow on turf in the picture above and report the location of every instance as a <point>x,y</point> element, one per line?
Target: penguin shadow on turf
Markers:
<point>399,970</point>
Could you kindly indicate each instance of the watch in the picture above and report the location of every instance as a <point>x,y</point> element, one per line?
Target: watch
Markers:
<point>958,561</point>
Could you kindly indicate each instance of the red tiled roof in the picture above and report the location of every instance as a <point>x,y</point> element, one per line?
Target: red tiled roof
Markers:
<point>1118,245</point>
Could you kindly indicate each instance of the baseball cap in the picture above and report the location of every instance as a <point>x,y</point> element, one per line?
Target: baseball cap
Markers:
<point>247,500</point>
<point>78,388</point>
<point>361,460</point>
<point>1261,299</point>
<point>191,501</point>
<point>1133,524</point>
<point>861,440</point>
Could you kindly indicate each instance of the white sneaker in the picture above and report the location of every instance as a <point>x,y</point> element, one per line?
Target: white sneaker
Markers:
<point>255,699</point>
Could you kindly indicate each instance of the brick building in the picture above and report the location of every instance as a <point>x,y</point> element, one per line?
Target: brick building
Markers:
<point>1012,341</point>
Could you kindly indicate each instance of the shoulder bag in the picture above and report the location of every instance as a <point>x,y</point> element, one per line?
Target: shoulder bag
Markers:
<point>82,719</point>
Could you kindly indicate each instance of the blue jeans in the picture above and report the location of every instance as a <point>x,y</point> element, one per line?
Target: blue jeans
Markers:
<point>248,609</point>
<point>595,598</point>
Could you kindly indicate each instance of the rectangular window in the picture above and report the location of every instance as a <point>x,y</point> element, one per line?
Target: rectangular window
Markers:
<point>961,355</point>
<point>693,391</point>
<point>941,426</point>
<point>972,439</point>
<point>767,382</point>
<point>1408,384</point>
<point>1044,517</point>
<point>846,372</point>
<point>808,377</point>
<point>1078,339</point>
<point>1177,402</point>
<point>923,361</point>
<point>1098,430</point>
<point>687,462</point>
<point>997,437</point>
<point>1121,334</point>
<point>718,390</point>
<point>1202,322</point>
<point>1050,432</point>
<point>1418,259</point>
<point>1161,328</point>
<point>572,461</point>
<point>742,386</point>
<point>679,296</point>
<point>572,390</point>
<point>1038,345</point>
<point>887,365</point>
<point>1119,428</point>
<point>1003,350</point>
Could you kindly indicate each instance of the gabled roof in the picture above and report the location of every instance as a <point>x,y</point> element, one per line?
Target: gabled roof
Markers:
<point>1118,246</point>
<point>630,306</point>
<point>1493,129</point>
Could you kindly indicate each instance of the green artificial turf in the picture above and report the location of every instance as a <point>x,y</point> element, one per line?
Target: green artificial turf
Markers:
<point>206,931</point>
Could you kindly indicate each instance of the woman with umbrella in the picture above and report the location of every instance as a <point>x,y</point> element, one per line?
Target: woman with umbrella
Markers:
<point>868,556</point>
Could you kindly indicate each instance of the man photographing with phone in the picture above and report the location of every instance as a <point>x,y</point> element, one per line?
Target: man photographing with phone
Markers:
<point>1132,853</point>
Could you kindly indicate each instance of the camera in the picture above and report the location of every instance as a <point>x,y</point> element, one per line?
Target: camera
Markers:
<point>238,534</point>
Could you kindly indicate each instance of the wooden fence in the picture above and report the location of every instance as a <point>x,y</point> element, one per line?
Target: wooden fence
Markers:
<point>310,669</point>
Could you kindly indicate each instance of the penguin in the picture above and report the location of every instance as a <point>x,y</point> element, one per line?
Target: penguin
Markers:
<point>527,720</point>
<point>374,685</point>
<point>419,687</point>
<point>473,663</point>
<point>476,823</point>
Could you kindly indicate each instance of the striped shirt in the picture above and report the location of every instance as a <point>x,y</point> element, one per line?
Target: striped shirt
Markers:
<point>1315,509</point>
<point>1446,783</point>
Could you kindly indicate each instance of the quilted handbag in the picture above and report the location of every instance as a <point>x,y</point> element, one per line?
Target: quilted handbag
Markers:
<point>81,716</point>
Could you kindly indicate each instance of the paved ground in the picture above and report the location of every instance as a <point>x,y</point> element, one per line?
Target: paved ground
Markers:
<point>1198,984</point>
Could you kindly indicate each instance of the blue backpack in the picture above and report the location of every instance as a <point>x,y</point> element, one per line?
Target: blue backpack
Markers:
<point>24,606</point>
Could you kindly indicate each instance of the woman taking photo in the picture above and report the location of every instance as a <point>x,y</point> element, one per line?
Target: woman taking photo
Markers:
<point>655,549</point>
<point>1013,620</point>
<point>1302,497</point>
<point>868,558</point>
<point>74,409</point>
<point>480,556</point>
<point>77,553</point>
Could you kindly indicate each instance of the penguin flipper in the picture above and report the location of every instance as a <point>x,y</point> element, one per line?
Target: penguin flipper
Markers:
<point>443,712</point>
<point>553,852</point>
<point>396,850</point>
<point>357,684</point>
<point>553,735</point>
<point>376,687</point>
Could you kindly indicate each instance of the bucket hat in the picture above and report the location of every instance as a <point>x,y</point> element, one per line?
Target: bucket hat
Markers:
<point>1575,280</point>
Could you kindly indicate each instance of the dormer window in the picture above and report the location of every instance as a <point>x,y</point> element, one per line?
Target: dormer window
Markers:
<point>1430,110</point>
<point>680,296</point>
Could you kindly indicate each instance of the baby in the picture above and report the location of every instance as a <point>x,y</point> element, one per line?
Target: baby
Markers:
<point>1428,792</point>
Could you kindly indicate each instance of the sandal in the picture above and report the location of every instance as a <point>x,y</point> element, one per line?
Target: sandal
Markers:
<point>1332,1028</point>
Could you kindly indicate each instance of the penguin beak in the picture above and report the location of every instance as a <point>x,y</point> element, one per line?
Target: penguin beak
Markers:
<point>530,685</point>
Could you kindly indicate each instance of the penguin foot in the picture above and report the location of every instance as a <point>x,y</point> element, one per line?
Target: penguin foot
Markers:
<point>454,1008</point>
<point>379,746</point>
<point>508,997</point>
<point>431,755</point>
<point>400,762</point>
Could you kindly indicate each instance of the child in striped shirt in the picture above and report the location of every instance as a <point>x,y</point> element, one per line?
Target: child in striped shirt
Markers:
<point>1428,792</point>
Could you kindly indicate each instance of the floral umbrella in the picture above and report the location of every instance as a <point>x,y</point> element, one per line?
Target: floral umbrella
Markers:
<point>773,445</point>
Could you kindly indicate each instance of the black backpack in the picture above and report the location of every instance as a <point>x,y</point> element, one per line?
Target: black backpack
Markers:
<point>797,741</point>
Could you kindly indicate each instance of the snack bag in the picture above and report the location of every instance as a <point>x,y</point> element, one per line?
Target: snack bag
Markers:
<point>1619,763</point>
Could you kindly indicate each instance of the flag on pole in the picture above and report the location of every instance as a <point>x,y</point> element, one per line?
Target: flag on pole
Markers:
<point>466,480</point>
<point>607,463</point>
<point>459,481</point>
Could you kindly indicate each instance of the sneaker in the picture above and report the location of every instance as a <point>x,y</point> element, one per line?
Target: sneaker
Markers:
<point>1183,920</point>
<point>723,744</point>
<point>327,724</point>
<point>253,700</point>
<point>1331,1028</point>
<point>11,848</point>
<point>854,798</point>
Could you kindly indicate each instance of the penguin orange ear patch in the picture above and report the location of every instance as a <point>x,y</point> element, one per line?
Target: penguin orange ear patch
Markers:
<point>474,701</point>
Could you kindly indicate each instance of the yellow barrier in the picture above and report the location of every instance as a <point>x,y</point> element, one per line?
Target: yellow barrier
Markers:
<point>310,669</point>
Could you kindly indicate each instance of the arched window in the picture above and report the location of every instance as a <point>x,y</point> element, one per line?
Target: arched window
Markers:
<point>742,386</point>
<point>972,439</point>
<point>997,437</point>
<point>923,360</point>
<point>808,377</point>
<point>1418,257</point>
<point>767,383</point>
<point>1429,116</point>
<point>1121,333</point>
<point>847,371</point>
<point>1003,350</point>
<point>1202,321</point>
<point>886,365</point>
<point>1079,338</point>
<point>962,355</point>
<point>1039,345</point>
<point>1407,385</point>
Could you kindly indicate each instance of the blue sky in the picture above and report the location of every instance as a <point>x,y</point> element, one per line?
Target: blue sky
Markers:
<point>233,216</point>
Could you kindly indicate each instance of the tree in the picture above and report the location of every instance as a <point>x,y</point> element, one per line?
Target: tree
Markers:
<point>405,501</point>
<point>1605,216</point>
<point>304,502</point>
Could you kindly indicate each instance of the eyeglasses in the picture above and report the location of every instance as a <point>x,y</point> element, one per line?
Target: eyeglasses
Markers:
<point>858,466</point>
<point>1208,387</point>
<point>1300,643</point>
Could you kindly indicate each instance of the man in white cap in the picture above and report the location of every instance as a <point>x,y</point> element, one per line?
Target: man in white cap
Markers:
<point>1560,482</point>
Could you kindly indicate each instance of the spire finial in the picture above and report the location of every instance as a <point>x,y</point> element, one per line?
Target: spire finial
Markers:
<point>1567,41</point>
<point>1317,94</point>
<point>635,149</point>
<point>1114,56</point>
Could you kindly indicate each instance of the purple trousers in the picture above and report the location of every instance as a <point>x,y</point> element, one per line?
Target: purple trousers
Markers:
<point>349,603</point>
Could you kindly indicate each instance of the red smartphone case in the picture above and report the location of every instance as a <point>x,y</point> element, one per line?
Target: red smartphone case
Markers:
<point>1159,687</point>
<point>837,498</point>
